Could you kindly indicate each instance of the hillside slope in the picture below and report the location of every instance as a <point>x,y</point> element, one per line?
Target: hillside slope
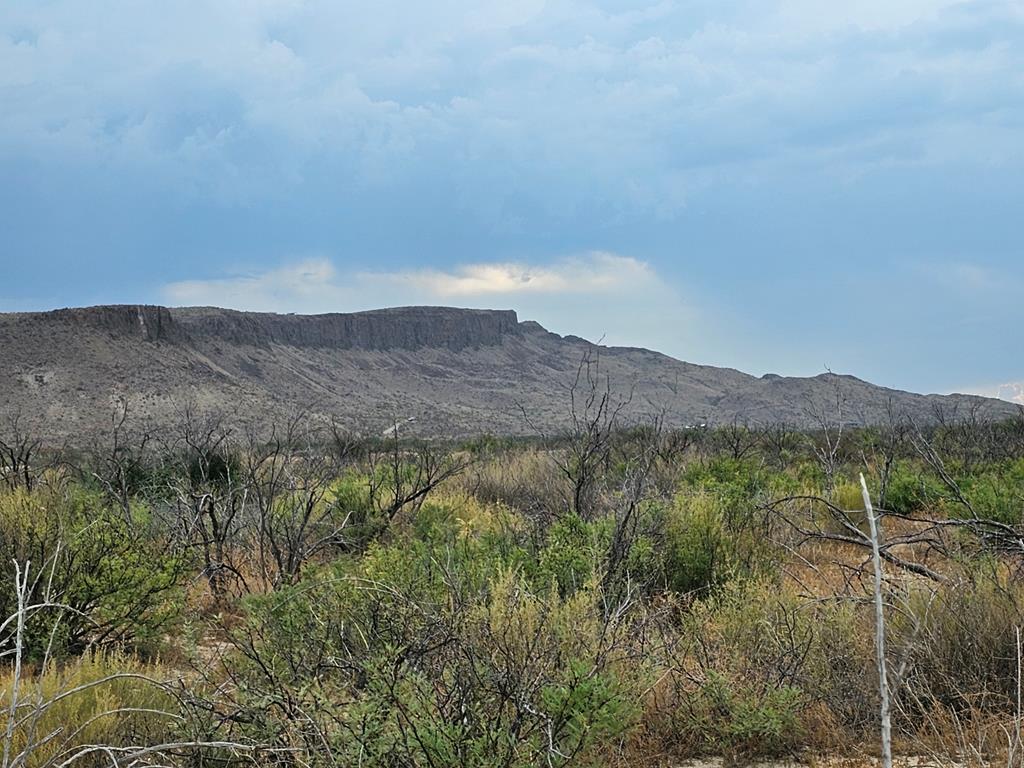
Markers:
<point>456,372</point>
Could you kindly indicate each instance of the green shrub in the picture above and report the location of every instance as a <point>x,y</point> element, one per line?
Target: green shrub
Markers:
<point>733,479</point>
<point>997,493</point>
<point>736,720</point>
<point>752,671</point>
<point>351,494</point>
<point>572,553</point>
<point>704,547</point>
<point>912,489</point>
<point>401,660</point>
<point>117,581</point>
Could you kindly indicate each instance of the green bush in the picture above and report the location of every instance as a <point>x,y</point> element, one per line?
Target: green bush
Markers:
<point>733,479</point>
<point>572,553</point>
<point>351,494</point>
<point>997,492</point>
<point>704,547</point>
<point>912,489</point>
<point>744,721</point>
<point>114,578</point>
<point>403,660</point>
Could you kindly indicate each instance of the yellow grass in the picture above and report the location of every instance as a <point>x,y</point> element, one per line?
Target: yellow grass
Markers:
<point>101,698</point>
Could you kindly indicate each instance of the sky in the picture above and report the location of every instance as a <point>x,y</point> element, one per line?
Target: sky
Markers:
<point>779,186</point>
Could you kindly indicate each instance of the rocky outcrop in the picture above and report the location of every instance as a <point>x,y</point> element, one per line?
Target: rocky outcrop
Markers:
<point>380,330</point>
<point>140,321</point>
<point>383,330</point>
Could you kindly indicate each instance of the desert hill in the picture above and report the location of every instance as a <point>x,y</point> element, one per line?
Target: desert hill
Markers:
<point>451,372</point>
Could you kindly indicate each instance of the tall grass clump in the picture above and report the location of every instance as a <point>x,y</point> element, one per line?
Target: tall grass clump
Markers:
<point>106,698</point>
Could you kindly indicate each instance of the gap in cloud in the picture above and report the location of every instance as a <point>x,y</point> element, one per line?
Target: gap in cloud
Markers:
<point>597,295</point>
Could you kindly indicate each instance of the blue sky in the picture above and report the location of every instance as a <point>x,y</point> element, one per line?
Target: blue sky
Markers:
<point>773,186</point>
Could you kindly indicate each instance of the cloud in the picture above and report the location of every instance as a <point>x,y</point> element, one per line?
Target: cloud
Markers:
<point>595,295</point>
<point>597,273</point>
<point>1011,391</point>
<point>311,281</point>
<point>316,280</point>
<point>567,102</point>
<point>769,164</point>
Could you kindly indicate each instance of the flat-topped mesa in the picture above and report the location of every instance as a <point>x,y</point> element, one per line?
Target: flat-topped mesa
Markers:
<point>401,328</point>
<point>384,329</point>
<point>459,372</point>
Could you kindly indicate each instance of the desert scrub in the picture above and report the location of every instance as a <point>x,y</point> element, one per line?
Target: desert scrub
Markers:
<point>996,491</point>
<point>961,644</point>
<point>740,720</point>
<point>912,489</point>
<point>703,546</point>
<point>101,698</point>
<point>118,580</point>
<point>404,657</point>
<point>487,624</point>
<point>740,675</point>
<point>527,480</point>
<point>350,493</point>
<point>573,553</point>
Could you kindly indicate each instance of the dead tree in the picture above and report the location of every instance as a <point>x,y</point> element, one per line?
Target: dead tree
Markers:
<point>118,464</point>
<point>594,415</point>
<point>403,475</point>
<point>883,673</point>
<point>886,449</point>
<point>637,459</point>
<point>676,443</point>
<point>737,438</point>
<point>19,451</point>
<point>797,514</point>
<point>828,442</point>
<point>209,495</point>
<point>289,475</point>
<point>778,440</point>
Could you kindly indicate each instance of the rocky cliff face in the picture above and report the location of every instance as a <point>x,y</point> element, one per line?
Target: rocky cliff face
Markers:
<point>382,330</point>
<point>140,321</point>
<point>407,328</point>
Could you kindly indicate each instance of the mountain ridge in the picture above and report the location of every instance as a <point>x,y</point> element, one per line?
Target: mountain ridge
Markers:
<point>457,372</point>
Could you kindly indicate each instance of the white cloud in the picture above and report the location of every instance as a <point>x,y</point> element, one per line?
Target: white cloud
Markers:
<point>292,287</point>
<point>595,295</point>
<point>1011,391</point>
<point>623,102</point>
<point>597,273</point>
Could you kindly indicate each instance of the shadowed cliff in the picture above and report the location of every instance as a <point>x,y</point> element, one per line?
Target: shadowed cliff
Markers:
<point>399,328</point>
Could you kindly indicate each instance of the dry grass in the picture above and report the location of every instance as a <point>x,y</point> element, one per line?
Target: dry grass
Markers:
<point>107,698</point>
